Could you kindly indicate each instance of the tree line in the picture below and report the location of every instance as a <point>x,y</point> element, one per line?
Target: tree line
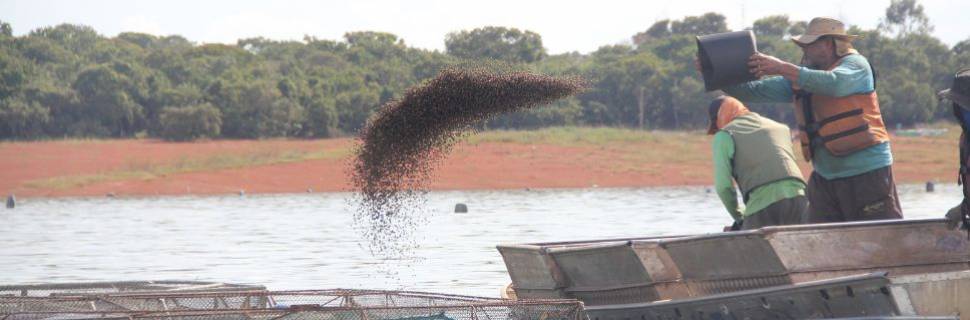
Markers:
<point>69,81</point>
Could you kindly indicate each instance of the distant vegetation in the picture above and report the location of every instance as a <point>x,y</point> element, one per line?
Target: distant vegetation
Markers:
<point>69,81</point>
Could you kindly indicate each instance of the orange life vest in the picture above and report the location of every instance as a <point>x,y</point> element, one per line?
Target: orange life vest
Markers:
<point>842,125</point>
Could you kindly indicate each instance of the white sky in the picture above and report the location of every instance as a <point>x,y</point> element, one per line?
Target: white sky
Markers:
<point>565,25</point>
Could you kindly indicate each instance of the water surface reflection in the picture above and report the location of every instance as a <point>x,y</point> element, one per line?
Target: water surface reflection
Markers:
<point>306,241</point>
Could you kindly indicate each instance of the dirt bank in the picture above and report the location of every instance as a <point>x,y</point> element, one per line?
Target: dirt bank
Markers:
<point>149,167</point>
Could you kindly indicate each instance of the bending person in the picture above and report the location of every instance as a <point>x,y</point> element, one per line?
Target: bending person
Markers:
<point>757,153</point>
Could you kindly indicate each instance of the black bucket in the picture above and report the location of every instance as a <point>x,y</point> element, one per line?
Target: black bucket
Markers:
<point>724,58</point>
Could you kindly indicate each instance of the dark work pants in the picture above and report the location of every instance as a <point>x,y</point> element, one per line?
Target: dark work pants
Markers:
<point>868,196</point>
<point>782,212</point>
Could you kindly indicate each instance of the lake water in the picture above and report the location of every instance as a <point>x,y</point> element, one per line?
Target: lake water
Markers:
<point>307,241</point>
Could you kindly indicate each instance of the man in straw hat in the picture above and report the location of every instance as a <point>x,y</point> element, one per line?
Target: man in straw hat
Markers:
<point>959,95</point>
<point>755,152</point>
<point>840,125</point>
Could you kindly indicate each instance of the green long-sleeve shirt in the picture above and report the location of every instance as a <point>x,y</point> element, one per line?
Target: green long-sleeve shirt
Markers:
<point>759,198</point>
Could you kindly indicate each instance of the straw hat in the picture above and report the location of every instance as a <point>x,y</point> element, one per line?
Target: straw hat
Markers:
<point>820,27</point>
<point>959,91</point>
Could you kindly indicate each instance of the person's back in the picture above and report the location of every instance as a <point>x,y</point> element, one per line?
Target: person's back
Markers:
<point>756,152</point>
<point>763,151</point>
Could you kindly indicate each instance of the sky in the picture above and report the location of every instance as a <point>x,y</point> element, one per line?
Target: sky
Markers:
<point>565,25</point>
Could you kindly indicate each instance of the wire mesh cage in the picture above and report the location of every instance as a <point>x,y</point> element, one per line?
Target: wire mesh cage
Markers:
<point>56,289</point>
<point>318,304</point>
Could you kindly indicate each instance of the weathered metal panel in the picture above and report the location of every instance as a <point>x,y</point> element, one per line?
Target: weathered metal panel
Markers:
<point>905,270</point>
<point>721,256</point>
<point>698,288</point>
<point>866,295</point>
<point>534,274</point>
<point>934,294</point>
<point>607,273</point>
<point>656,260</point>
<point>725,262</point>
<point>868,245</point>
<point>600,266</point>
<point>661,268</point>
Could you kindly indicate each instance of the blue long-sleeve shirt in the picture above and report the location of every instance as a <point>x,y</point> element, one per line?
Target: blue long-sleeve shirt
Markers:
<point>852,76</point>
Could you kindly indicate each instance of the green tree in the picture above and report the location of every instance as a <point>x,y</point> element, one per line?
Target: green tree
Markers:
<point>915,102</point>
<point>961,53</point>
<point>44,51</point>
<point>173,42</point>
<point>707,23</point>
<point>256,110</point>
<point>905,17</point>
<point>13,74</point>
<point>62,103</point>
<point>240,104</point>
<point>499,43</point>
<point>917,62</point>
<point>771,26</point>
<point>770,33</point>
<point>620,75</point>
<point>143,40</point>
<point>563,112</point>
<point>596,113</point>
<point>67,80</point>
<point>355,107</point>
<point>78,39</point>
<point>5,29</point>
<point>21,119</point>
<point>798,28</point>
<point>689,103</point>
<point>322,118</point>
<point>162,95</point>
<point>659,30</point>
<point>284,118</point>
<point>379,44</point>
<point>190,122</point>
<point>102,95</point>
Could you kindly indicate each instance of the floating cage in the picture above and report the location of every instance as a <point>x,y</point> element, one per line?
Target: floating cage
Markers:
<point>56,289</point>
<point>255,305</point>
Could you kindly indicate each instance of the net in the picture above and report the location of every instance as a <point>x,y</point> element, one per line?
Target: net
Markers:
<point>43,290</point>
<point>258,304</point>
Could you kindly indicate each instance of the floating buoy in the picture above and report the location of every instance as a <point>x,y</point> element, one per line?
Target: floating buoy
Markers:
<point>461,208</point>
<point>930,186</point>
<point>11,201</point>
